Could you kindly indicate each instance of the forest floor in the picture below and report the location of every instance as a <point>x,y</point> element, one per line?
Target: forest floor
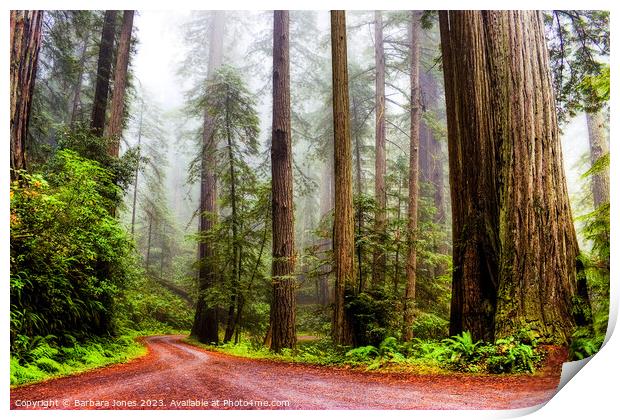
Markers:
<point>176,375</point>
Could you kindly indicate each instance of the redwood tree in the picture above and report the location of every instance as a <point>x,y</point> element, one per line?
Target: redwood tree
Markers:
<point>597,136</point>
<point>515,248</point>
<point>283,263</point>
<point>379,260</point>
<point>414,141</point>
<point>25,43</point>
<point>206,322</point>
<point>343,193</point>
<point>104,64</point>
<point>115,125</point>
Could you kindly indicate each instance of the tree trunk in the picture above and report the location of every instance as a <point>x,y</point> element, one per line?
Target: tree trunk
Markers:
<point>283,265</point>
<point>412,212</point>
<point>598,148</point>
<point>148,244</point>
<point>135,183</point>
<point>25,43</point>
<point>104,64</point>
<point>206,322</point>
<point>77,91</point>
<point>378,258</point>
<point>515,248</point>
<point>236,247</point>
<point>326,206</point>
<point>114,128</point>
<point>342,332</point>
<point>359,249</point>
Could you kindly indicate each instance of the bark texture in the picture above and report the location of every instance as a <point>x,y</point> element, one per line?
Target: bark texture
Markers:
<point>25,41</point>
<point>206,322</point>
<point>515,246</point>
<point>114,128</point>
<point>379,258</point>
<point>343,213</point>
<point>283,266</point>
<point>104,64</point>
<point>597,134</point>
<point>412,212</point>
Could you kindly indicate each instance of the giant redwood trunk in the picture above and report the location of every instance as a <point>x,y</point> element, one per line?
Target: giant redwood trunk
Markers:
<point>412,212</point>
<point>343,204</point>
<point>25,43</point>
<point>515,248</point>
<point>283,265</point>
<point>206,322</point>
<point>598,148</point>
<point>115,125</point>
<point>104,68</point>
<point>379,261</point>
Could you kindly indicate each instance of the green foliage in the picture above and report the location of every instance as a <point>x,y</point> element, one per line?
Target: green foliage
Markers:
<point>362,354</point>
<point>373,316</point>
<point>462,347</point>
<point>578,43</point>
<point>428,325</point>
<point>585,344</point>
<point>44,357</point>
<point>69,256</point>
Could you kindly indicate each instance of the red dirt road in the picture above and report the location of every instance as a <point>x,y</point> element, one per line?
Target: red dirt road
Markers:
<point>175,375</point>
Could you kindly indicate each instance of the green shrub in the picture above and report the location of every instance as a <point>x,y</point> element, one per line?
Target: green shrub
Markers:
<point>462,348</point>
<point>373,316</point>
<point>47,364</point>
<point>362,354</point>
<point>69,257</point>
<point>428,325</point>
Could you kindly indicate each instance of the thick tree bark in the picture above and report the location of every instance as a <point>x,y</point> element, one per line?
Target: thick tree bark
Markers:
<point>114,128</point>
<point>104,64</point>
<point>206,322</point>
<point>412,212</point>
<point>359,213</point>
<point>515,248</point>
<point>379,264</point>
<point>283,266</point>
<point>344,248</point>
<point>597,134</point>
<point>25,43</point>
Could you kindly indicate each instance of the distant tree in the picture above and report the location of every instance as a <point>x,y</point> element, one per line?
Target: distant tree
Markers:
<point>379,257</point>
<point>344,247</point>
<point>206,322</point>
<point>104,65</point>
<point>25,43</point>
<point>283,268</point>
<point>414,142</point>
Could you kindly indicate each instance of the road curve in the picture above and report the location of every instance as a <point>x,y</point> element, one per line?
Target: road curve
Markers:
<point>176,375</point>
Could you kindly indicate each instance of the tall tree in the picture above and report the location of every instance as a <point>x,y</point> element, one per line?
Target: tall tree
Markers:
<point>597,135</point>
<point>283,265</point>
<point>115,125</point>
<point>414,142</point>
<point>25,43</point>
<point>379,260</point>
<point>104,64</point>
<point>343,204</point>
<point>205,327</point>
<point>515,250</point>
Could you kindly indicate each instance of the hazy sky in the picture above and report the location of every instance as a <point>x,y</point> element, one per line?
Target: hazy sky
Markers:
<point>160,49</point>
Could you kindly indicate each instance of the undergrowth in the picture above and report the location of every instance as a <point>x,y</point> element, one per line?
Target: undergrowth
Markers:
<point>42,358</point>
<point>458,353</point>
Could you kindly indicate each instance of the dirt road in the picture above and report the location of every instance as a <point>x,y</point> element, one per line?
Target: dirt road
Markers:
<point>175,375</point>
